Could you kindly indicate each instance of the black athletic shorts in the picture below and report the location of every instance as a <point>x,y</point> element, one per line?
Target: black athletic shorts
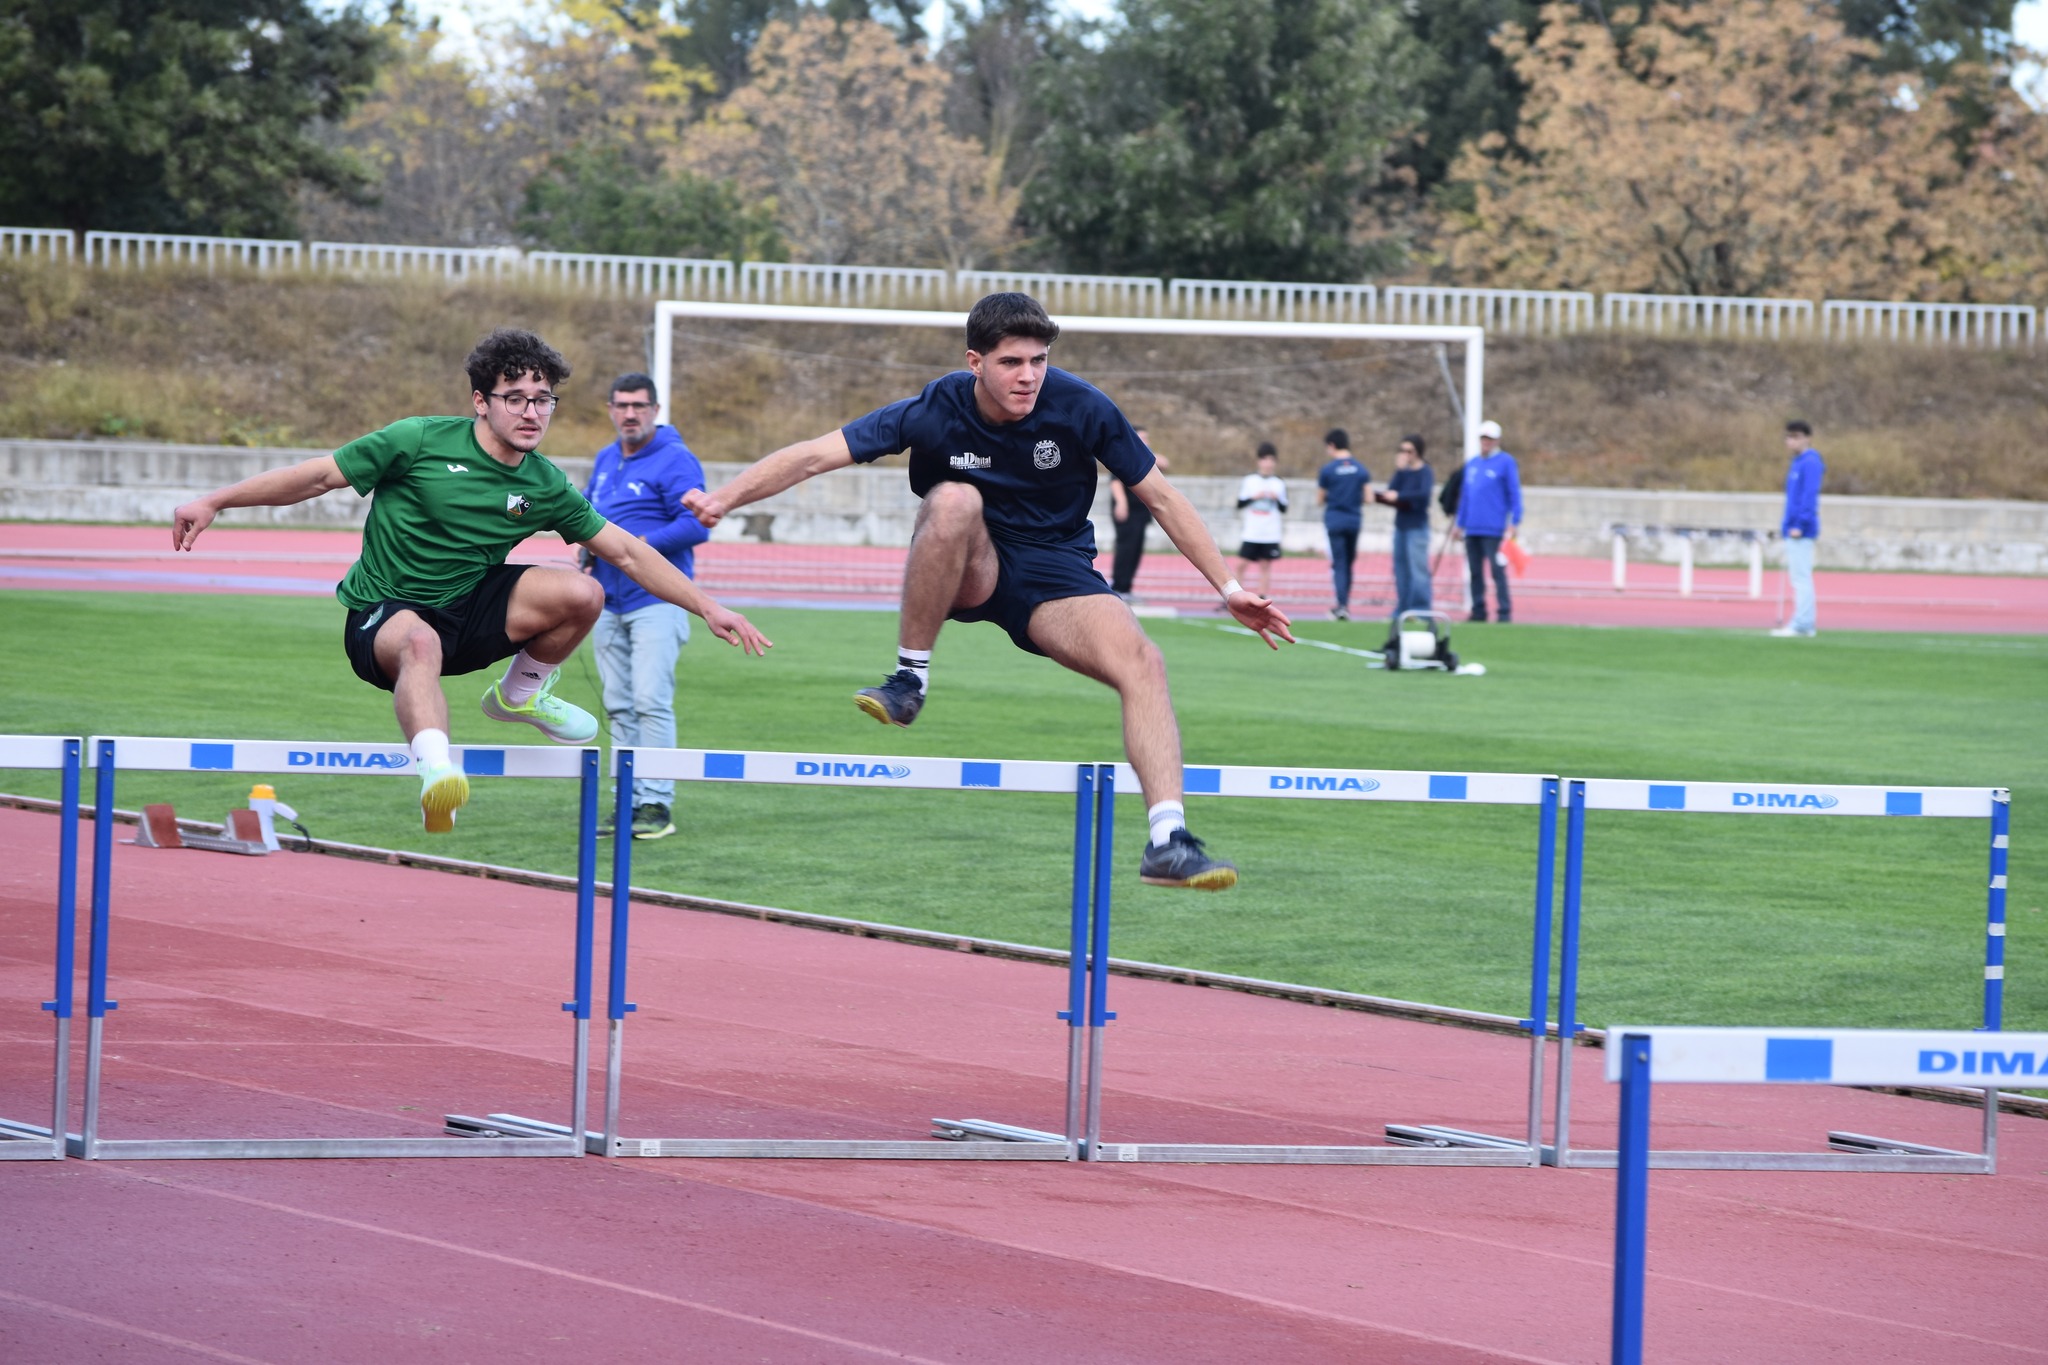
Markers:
<point>472,628</point>
<point>1256,550</point>
<point>1027,575</point>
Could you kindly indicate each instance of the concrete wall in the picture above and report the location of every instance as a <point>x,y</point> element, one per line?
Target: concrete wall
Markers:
<point>133,481</point>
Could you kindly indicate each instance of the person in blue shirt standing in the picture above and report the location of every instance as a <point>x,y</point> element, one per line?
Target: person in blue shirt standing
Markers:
<point>1342,486</point>
<point>638,484</point>
<point>1489,511</point>
<point>1408,494</point>
<point>1003,459</point>
<point>1800,526</point>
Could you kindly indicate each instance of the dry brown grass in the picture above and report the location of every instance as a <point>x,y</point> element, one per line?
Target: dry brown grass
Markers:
<point>307,361</point>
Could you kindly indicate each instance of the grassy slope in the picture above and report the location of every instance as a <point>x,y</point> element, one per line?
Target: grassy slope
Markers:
<point>1708,920</point>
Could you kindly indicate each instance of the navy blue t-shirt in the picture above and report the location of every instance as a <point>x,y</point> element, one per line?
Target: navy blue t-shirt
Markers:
<point>1343,482</point>
<point>1037,476</point>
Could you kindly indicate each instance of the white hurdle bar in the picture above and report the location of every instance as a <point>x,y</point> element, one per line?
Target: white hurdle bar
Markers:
<point>1638,1057</point>
<point>112,754</point>
<point>21,1140</point>
<point>1848,1151</point>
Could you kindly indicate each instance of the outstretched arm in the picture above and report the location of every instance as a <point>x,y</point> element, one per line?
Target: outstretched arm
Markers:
<point>1184,527</point>
<point>640,562</point>
<point>770,474</point>
<point>271,488</point>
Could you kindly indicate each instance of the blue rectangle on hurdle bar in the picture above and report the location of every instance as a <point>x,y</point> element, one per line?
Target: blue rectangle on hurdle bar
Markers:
<point>1902,803</point>
<point>1799,1059</point>
<point>731,766</point>
<point>1446,787</point>
<point>214,756</point>
<point>981,774</point>
<point>1202,781</point>
<point>484,762</point>
<point>1666,797</point>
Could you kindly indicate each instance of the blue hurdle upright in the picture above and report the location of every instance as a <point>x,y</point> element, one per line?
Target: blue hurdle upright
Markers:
<point>1422,1144</point>
<point>964,1139</point>
<point>1849,1151</point>
<point>1638,1056</point>
<point>131,754</point>
<point>21,1140</point>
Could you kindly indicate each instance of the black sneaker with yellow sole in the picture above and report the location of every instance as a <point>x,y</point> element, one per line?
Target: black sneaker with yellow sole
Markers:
<point>896,702</point>
<point>1180,861</point>
<point>652,821</point>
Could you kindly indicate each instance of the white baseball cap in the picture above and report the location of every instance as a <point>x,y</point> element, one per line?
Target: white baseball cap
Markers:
<point>1490,429</point>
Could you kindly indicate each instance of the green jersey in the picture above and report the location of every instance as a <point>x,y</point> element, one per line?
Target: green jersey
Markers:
<point>442,511</point>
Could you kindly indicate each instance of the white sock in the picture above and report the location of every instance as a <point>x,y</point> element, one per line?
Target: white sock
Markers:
<point>918,661</point>
<point>526,676</point>
<point>429,748</point>
<point>1166,817</point>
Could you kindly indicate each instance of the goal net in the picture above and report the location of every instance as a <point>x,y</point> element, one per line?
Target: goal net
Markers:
<point>741,380</point>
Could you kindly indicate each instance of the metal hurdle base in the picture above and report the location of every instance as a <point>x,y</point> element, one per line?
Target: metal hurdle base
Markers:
<point>499,1126</point>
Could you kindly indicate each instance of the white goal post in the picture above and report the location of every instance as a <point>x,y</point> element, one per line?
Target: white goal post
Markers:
<point>1473,339</point>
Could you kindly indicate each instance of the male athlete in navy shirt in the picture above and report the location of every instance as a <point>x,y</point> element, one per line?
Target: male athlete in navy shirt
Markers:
<point>1004,456</point>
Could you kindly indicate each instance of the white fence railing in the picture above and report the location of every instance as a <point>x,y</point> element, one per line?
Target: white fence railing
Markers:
<point>1272,300</point>
<point>1531,312</point>
<point>1712,316</point>
<point>55,243</point>
<point>1967,324</point>
<point>665,277</point>
<point>141,249</point>
<point>1535,312</point>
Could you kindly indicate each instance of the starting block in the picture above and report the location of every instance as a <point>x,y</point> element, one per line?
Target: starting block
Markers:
<point>242,832</point>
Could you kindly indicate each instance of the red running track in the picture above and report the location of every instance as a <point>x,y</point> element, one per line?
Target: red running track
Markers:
<point>1556,592</point>
<point>282,995</point>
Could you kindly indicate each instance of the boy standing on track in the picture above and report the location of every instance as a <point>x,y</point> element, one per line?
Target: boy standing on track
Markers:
<point>1800,526</point>
<point>1003,455</point>
<point>1262,497</point>
<point>432,596</point>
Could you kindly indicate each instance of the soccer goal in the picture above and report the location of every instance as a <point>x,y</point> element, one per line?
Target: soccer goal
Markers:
<point>740,379</point>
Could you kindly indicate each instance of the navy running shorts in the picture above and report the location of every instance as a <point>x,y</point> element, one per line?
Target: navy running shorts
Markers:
<point>1029,574</point>
<point>472,628</point>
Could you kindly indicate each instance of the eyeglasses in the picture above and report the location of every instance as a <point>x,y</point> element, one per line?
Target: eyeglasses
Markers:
<point>633,407</point>
<point>542,403</point>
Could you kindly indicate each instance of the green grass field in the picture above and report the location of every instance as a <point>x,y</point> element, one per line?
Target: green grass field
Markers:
<point>1690,919</point>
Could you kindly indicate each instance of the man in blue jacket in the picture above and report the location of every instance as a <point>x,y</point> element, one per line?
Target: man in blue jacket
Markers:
<point>638,485</point>
<point>1342,486</point>
<point>1489,511</point>
<point>1800,526</point>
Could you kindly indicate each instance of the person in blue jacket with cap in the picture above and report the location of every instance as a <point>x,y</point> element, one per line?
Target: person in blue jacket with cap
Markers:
<point>638,484</point>
<point>1489,511</point>
<point>1800,526</point>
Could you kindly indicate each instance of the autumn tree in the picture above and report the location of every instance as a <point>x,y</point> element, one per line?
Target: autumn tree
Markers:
<point>1749,147</point>
<point>843,129</point>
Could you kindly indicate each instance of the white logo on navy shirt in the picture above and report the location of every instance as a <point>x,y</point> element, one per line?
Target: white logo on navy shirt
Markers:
<point>1046,455</point>
<point>967,459</point>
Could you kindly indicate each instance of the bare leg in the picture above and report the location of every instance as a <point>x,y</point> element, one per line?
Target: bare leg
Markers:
<point>551,610</point>
<point>952,564</point>
<point>410,653</point>
<point>1097,637</point>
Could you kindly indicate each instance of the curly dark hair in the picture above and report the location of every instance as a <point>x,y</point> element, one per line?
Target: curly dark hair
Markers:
<point>1000,316</point>
<point>511,354</point>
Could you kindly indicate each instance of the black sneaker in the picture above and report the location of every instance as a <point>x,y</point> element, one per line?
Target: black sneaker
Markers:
<point>607,824</point>
<point>1181,862</point>
<point>896,702</point>
<point>651,821</point>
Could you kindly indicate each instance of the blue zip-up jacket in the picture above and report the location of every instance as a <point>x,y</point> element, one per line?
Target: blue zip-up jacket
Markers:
<point>1491,499</point>
<point>1802,495</point>
<point>644,495</point>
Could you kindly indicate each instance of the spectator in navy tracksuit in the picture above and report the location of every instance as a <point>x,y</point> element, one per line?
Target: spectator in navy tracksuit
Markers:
<point>1800,526</point>
<point>638,485</point>
<point>1342,486</point>
<point>1489,511</point>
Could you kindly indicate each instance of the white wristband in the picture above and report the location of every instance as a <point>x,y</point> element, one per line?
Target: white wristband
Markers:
<point>1231,587</point>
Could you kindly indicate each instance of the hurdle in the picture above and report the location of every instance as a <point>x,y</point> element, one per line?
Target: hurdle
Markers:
<point>19,1139</point>
<point>971,1139</point>
<point>1638,1056</point>
<point>1422,1144</point>
<point>113,754</point>
<point>1848,1151</point>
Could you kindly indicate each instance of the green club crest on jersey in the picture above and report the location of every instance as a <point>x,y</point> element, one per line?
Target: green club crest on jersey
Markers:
<point>516,505</point>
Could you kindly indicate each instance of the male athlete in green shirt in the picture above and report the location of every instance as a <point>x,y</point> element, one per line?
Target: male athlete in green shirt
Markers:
<point>432,595</point>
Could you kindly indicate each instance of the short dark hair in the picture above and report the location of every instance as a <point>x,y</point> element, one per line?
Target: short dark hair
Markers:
<point>997,317</point>
<point>632,383</point>
<point>1338,437</point>
<point>1421,447</point>
<point>1799,426</point>
<point>509,353</point>
<point>1267,450</point>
